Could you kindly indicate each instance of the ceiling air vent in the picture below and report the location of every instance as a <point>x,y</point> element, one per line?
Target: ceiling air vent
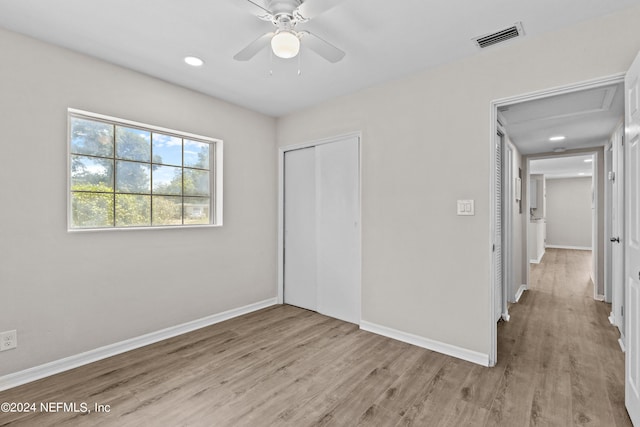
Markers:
<point>499,36</point>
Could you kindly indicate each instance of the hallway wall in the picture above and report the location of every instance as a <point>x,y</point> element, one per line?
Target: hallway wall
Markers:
<point>569,212</point>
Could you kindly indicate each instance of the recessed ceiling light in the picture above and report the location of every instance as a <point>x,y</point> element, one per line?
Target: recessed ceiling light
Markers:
<point>557,138</point>
<point>588,160</point>
<point>194,61</point>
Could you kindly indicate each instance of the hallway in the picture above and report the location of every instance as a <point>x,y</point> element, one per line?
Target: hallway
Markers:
<point>559,351</point>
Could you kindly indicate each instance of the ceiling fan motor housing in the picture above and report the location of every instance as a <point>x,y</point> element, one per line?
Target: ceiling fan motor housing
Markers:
<point>284,22</point>
<point>283,6</point>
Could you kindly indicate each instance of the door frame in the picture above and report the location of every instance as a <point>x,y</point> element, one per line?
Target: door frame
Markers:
<point>315,143</point>
<point>596,243</point>
<point>493,120</point>
<point>507,221</point>
<point>608,189</point>
<point>617,287</point>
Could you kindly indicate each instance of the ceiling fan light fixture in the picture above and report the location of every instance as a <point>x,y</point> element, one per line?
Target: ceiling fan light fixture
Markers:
<point>285,44</point>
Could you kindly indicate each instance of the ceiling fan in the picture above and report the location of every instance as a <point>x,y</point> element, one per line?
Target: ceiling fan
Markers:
<point>285,40</point>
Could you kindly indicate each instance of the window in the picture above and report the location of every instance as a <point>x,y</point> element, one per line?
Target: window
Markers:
<point>130,175</point>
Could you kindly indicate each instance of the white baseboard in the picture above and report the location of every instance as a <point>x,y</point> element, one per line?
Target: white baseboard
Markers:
<point>506,317</point>
<point>577,248</point>
<point>612,319</point>
<point>537,260</point>
<point>599,298</point>
<point>521,290</point>
<point>440,347</point>
<point>621,343</point>
<point>61,365</point>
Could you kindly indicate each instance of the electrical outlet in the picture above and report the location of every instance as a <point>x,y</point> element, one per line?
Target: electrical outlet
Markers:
<point>8,340</point>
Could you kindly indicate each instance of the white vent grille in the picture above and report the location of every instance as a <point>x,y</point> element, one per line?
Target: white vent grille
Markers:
<point>499,36</point>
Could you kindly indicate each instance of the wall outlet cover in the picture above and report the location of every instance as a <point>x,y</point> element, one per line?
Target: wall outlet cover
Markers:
<point>8,340</point>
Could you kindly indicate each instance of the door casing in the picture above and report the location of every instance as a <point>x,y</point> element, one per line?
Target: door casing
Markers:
<point>493,116</point>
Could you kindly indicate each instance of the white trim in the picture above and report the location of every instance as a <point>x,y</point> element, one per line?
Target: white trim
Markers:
<point>216,197</point>
<point>493,330</point>
<point>612,319</point>
<point>599,297</point>
<point>521,290</point>
<point>281,153</point>
<point>493,122</point>
<point>595,222</point>
<point>621,344</point>
<point>505,316</point>
<point>538,260</point>
<point>560,90</point>
<point>440,347</point>
<point>71,362</point>
<point>140,124</point>
<point>577,248</point>
<point>508,211</point>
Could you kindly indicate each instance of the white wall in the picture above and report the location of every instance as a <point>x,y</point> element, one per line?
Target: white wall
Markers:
<point>426,144</point>
<point>68,293</point>
<point>569,212</point>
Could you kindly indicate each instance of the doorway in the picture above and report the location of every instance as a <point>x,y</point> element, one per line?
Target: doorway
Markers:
<point>601,97</point>
<point>565,207</point>
<point>319,265</point>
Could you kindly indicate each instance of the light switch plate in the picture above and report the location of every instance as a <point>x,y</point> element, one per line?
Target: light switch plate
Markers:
<point>466,207</point>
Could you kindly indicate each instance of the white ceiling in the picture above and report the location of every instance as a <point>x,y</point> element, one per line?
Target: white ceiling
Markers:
<point>563,167</point>
<point>586,118</point>
<point>383,40</point>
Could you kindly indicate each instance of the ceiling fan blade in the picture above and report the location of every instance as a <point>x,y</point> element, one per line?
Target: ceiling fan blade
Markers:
<point>322,47</point>
<point>312,8</point>
<point>256,8</point>
<point>254,47</point>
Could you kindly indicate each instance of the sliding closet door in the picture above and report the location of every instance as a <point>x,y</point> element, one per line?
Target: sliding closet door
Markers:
<point>321,229</point>
<point>300,287</point>
<point>338,240</point>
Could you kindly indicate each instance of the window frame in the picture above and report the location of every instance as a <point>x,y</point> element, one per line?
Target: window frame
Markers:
<point>215,172</point>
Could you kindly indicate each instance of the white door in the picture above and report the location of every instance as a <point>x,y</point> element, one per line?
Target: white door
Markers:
<point>300,228</point>
<point>617,230</point>
<point>632,241</point>
<point>322,230</point>
<point>338,216</point>
<point>501,189</point>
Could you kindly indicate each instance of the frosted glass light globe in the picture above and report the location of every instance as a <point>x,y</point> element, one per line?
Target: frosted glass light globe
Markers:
<point>285,44</point>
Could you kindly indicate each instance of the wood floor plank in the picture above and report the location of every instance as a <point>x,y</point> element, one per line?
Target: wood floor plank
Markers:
<point>559,364</point>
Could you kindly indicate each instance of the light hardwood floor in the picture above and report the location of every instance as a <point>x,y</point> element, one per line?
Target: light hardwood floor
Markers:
<point>559,364</point>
